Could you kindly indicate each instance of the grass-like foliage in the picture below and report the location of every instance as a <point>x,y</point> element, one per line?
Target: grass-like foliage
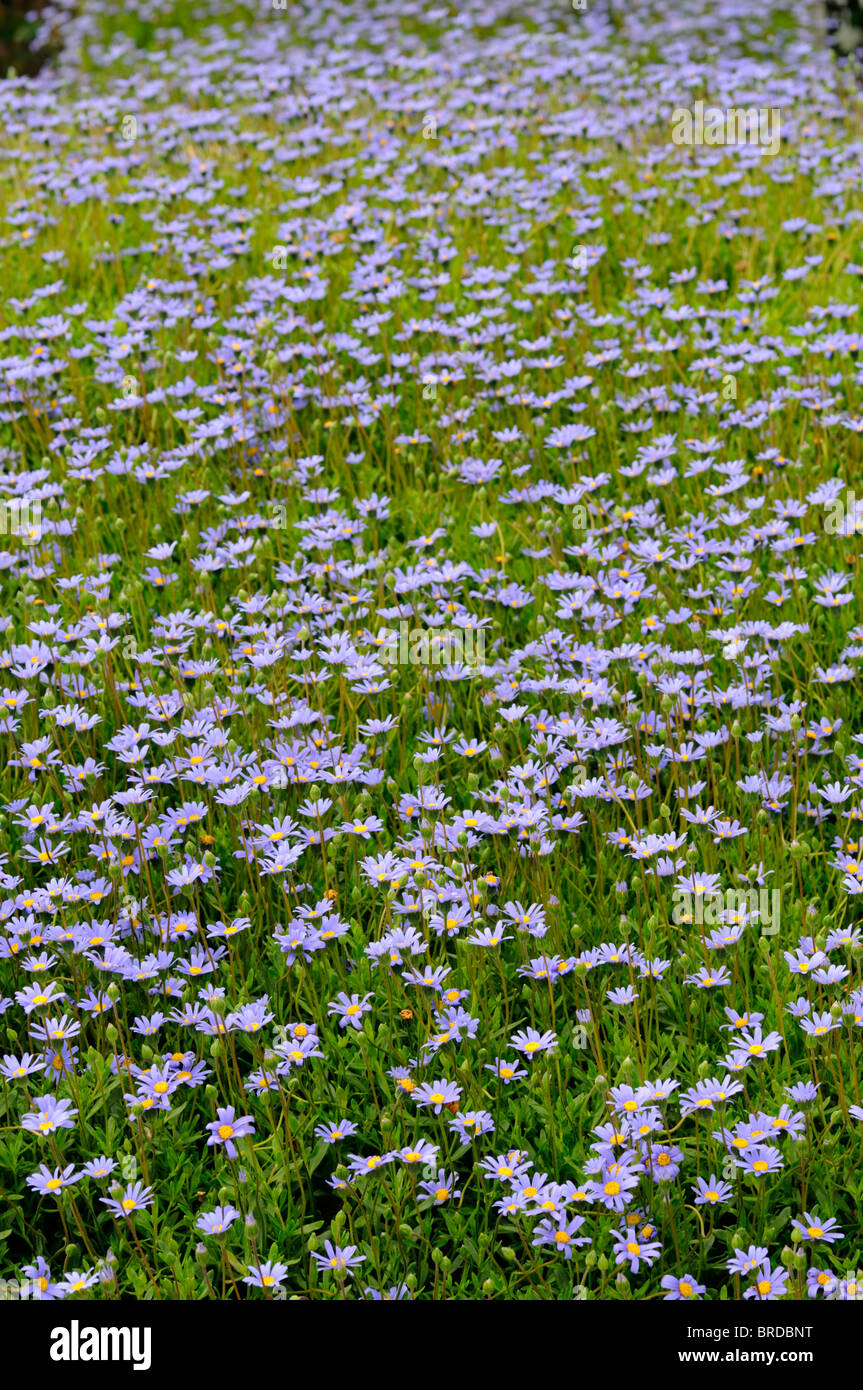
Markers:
<point>430,715</point>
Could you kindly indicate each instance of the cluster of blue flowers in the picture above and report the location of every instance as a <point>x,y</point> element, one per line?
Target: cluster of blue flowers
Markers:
<point>335,327</point>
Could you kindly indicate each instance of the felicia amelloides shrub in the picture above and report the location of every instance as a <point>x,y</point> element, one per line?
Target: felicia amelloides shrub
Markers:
<point>430,711</point>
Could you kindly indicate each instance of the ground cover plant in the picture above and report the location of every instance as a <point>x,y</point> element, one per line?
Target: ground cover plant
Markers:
<point>431,720</point>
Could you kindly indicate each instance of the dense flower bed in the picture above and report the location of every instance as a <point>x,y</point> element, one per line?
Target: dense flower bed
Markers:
<point>430,698</point>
